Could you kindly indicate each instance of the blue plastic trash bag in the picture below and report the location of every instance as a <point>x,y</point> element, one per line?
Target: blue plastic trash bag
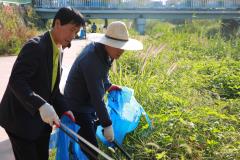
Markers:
<point>125,113</point>
<point>68,149</point>
<point>53,139</point>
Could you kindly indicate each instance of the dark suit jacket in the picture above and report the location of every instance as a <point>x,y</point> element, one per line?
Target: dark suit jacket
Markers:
<point>29,87</point>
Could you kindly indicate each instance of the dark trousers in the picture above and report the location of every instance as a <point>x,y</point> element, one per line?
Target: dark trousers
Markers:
<point>88,127</point>
<point>25,149</point>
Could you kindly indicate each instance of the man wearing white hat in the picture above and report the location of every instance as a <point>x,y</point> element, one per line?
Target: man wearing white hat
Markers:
<point>88,80</point>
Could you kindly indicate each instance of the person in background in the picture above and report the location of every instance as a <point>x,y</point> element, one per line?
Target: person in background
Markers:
<point>32,102</point>
<point>88,81</point>
<point>94,27</point>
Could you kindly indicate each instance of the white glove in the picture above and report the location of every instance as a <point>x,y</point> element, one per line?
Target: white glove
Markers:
<point>108,133</point>
<point>49,115</point>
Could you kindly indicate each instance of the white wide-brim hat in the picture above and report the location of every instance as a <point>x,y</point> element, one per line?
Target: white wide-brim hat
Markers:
<point>117,36</point>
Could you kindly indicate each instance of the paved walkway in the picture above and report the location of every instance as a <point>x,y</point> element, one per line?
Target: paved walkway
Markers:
<point>6,64</point>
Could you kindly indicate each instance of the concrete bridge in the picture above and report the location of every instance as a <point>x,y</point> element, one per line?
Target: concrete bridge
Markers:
<point>140,10</point>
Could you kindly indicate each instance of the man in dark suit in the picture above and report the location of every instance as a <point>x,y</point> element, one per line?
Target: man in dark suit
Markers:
<point>32,102</point>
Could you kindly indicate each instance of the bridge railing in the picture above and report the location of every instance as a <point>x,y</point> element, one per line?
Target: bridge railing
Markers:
<point>139,4</point>
<point>16,1</point>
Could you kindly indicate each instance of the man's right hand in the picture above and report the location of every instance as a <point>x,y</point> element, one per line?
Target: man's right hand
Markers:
<point>49,115</point>
<point>108,133</point>
<point>114,88</point>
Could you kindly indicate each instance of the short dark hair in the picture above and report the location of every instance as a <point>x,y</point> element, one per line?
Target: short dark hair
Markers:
<point>69,15</point>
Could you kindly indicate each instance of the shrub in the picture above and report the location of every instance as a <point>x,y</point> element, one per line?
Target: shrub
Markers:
<point>13,31</point>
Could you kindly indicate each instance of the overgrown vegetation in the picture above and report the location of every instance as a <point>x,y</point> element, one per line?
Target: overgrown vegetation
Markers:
<point>15,28</point>
<point>188,81</point>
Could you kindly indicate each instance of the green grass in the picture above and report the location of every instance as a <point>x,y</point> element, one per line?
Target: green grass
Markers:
<point>189,83</point>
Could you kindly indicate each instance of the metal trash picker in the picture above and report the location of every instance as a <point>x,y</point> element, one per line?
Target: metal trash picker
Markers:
<point>72,134</point>
<point>120,148</point>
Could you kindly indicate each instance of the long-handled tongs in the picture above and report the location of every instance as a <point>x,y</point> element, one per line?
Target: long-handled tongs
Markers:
<point>121,149</point>
<point>80,140</point>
